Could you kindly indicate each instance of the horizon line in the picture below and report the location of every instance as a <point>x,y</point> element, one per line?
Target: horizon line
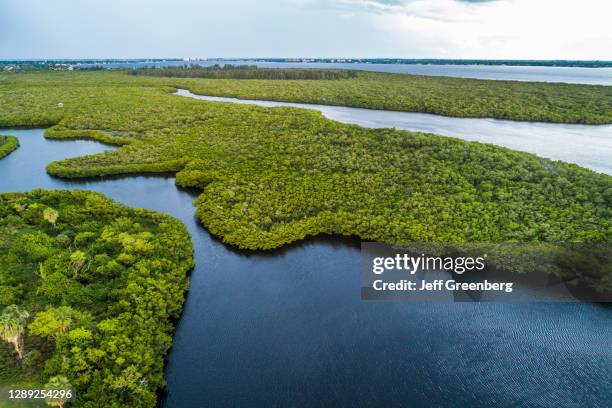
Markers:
<point>192,58</point>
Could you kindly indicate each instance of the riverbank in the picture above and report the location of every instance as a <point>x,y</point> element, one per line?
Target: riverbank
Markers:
<point>8,144</point>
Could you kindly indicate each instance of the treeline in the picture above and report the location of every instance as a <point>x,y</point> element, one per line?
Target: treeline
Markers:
<point>243,72</point>
<point>8,144</point>
<point>89,290</point>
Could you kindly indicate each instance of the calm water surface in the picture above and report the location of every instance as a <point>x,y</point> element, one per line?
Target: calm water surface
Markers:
<point>287,328</point>
<point>588,146</point>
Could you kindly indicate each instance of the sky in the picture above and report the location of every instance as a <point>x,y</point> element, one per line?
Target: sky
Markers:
<point>493,29</point>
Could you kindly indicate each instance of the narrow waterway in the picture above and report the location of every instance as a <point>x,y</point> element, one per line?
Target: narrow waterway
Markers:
<point>287,328</point>
<point>586,145</point>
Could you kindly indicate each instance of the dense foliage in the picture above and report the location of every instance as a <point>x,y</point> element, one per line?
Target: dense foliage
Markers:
<point>272,176</point>
<point>8,144</point>
<point>244,72</point>
<point>562,103</point>
<point>89,289</point>
<point>527,101</point>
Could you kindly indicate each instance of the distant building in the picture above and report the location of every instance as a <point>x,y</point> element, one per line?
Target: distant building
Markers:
<point>61,67</point>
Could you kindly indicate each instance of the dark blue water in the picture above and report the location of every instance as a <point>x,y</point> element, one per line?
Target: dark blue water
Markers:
<point>287,328</point>
<point>576,75</point>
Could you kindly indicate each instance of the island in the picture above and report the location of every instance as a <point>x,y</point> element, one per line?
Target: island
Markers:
<point>8,144</point>
<point>89,293</point>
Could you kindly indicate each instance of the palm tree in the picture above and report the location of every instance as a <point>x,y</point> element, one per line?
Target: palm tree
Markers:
<point>78,260</point>
<point>59,382</point>
<point>50,215</point>
<point>53,322</point>
<point>64,319</point>
<point>12,326</point>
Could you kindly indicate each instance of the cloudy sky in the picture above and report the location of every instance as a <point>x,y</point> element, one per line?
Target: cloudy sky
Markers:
<point>522,29</point>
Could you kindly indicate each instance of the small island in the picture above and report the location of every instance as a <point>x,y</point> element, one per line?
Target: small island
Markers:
<point>8,144</point>
<point>89,292</point>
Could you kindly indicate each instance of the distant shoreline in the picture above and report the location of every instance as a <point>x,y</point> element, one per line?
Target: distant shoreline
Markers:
<point>396,61</point>
<point>432,61</point>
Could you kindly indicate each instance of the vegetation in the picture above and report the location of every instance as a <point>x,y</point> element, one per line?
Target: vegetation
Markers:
<point>561,103</point>
<point>8,144</point>
<point>88,288</point>
<point>58,382</point>
<point>525,101</point>
<point>89,299</point>
<point>12,326</point>
<point>473,98</point>
<point>244,72</point>
<point>269,177</point>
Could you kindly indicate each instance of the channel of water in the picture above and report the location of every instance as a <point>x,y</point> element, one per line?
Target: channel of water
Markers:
<point>287,327</point>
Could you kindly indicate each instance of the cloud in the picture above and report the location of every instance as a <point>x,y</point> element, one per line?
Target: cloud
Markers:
<point>404,2</point>
<point>440,10</point>
<point>390,2</point>
<point>522,29</point>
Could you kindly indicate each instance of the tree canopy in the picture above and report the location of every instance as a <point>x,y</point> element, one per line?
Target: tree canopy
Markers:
<point>7,145</point>
<point>91,300</point>
<point>229,71</point>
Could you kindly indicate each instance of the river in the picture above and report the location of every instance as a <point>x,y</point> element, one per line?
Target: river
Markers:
<point>586,145</point>
<point>287,327</point>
